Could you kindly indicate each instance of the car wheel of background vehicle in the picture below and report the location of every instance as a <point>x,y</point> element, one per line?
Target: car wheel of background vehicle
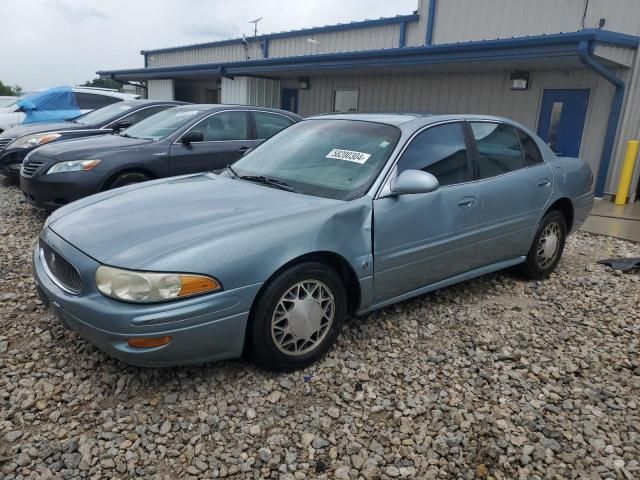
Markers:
<point>298,317</point>
<point>547,248</point>
<point>127,178</point>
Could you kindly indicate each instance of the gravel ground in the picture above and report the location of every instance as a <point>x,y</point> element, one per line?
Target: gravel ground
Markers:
<point>497,377</point>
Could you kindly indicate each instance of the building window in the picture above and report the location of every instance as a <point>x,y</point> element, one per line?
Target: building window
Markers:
<point>345,101</point>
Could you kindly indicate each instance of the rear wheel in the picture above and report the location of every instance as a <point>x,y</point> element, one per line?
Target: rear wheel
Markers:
<point>298,317</point>
<point>127,178</point>
<point>547,248</point>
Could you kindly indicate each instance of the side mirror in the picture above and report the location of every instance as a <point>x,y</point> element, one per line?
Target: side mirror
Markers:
<point>191,137</point>
<point>414,181</point>
<point>122,125</point>
<point>246,151</point>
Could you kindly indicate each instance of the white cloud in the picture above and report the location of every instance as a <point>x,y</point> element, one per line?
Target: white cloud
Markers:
<point>68,41</point>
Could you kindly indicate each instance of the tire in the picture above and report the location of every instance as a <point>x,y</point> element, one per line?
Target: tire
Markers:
<point>281,339</point>
<point>542,261</point>
<point>127,178</point>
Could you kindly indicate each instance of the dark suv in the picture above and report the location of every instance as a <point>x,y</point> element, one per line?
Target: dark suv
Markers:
<point>185,139</point>
<point>17,142</point>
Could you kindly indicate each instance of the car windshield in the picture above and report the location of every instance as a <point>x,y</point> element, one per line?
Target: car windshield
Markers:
<point>161,124</point>
<point>328,158</point>
<point>103,114</point>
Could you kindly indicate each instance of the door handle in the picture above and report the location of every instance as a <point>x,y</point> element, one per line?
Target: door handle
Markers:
<point>467,202</point>
<point>242,149</point>
<point>545,182</point>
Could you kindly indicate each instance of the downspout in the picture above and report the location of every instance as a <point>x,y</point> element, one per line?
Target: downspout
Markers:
<point>584,54</point>
<point>402,41</point>
<point>431,19</point>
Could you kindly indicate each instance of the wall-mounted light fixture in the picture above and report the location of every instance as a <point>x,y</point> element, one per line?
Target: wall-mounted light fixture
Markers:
<point>519,80</point>
<point>303,83</point>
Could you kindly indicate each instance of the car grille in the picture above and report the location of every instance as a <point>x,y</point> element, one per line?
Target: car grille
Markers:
<point>4,142</point>
<point>60,269</point>
<point>31,167</point>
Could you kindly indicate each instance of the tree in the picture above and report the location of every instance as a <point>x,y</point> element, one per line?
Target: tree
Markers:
<point>103,83</point>
<point>9,91</point>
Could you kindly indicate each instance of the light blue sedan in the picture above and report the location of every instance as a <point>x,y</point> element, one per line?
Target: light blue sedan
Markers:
<point>337,215</point>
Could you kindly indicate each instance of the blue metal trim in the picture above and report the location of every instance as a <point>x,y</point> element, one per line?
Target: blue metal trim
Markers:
<point>295,33</point>
<point>560,44</point>
<point>402,41</point>
<point>584,54</point>
<point>431,20</point>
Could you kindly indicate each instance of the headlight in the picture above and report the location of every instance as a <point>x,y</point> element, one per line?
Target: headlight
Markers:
<point>145,287</point>
<point>31,141</point>
<point>74,166</point>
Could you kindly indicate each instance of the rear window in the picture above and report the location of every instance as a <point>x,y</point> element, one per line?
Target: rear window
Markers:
<point>498,149</point>
<point>532,155</point>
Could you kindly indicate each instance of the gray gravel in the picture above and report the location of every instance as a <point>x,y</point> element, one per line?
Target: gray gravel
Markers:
<point>497,377</point>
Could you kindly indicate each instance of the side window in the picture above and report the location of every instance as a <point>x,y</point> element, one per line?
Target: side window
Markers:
<point>135,117</point>
<point>498,149</point>
<point>91,101</point>
<point>441,151</point>
<point>224,126</point>
<point>532,155</point>
<point>268,124</point>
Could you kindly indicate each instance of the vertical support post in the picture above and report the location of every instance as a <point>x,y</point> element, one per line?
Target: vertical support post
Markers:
<point>431,18</point>
<point>402,42</point>
<point>627,171</point>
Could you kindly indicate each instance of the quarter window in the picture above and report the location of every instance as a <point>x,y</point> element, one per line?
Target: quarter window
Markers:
<point>268,124</point>
<point>498,149</point>
<point>92,101</point>
<point>135,117</point>
<point>224,126</point>
<point>532,154</point>
<point>441,151</point>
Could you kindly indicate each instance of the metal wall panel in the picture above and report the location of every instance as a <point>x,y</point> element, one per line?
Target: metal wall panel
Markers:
<point>482,92</point>
<point>620,55</point>
<point>262,92</point>
<point>226,53</point>
<point>465,20</point>
<point>160,89</point>
<point>235,91</point>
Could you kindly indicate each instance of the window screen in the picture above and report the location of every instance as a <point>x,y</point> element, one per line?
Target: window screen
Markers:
<point>441,151</point>
<point>224,126</point>
<point>532,155</point>
<point>498,149</point>
<point>268,124</point>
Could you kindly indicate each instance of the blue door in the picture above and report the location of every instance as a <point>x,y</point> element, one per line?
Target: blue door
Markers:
<point>289,99</point>
<point>562,117</point>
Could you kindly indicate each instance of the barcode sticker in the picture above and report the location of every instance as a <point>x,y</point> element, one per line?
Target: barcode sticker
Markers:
<point>348,155</point>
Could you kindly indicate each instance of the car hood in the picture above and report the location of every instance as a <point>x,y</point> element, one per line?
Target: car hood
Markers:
<point>132,226</point>
<point>96,146</point>
<point>22,130</point>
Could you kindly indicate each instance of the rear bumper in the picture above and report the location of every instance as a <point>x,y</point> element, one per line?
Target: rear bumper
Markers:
<point>582,206</point>
<point>207,328</point>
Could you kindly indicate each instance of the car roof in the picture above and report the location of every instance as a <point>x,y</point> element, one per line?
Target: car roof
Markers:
<point>141,101</point>
<point>108,92</point>
<point>212,107</point>
<point>391,118</point>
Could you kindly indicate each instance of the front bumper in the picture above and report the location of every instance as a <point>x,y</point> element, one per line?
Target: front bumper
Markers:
<point>53,191</point>
<point>207,328</point>
<point>11,162</point>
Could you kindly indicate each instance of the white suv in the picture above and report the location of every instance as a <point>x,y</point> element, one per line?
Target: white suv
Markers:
<point>87,98</point>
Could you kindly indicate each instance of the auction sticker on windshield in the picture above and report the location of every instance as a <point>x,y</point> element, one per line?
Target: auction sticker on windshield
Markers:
<point>349,155</point>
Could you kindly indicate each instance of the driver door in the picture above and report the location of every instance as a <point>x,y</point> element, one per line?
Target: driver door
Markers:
<point>420,239</point>
<point>226,136</point>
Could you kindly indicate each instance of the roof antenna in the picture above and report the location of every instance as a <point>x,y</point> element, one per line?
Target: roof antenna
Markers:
<point>255,26</point>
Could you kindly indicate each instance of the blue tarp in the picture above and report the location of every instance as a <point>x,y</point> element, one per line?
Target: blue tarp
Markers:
<point>52,105</point>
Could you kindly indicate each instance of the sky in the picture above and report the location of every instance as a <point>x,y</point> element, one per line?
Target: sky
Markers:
<point>45,43</point>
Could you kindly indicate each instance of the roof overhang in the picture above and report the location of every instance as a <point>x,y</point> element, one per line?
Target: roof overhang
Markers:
<point>543,51</point>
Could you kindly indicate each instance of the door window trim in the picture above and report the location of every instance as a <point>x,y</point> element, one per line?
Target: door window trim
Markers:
<point>386,183</point>
<point>251,134</point>
<point>119,119</point>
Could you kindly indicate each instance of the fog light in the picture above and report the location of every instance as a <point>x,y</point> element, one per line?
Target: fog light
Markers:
<point>148,342</point>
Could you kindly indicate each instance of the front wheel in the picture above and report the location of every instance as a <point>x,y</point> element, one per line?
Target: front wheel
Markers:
<point>547,247</point>
<point>298,317</point>
<point>128,178</point>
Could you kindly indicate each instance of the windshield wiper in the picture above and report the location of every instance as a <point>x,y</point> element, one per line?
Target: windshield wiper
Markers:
<point>268,181</point>
<point>232,171</point>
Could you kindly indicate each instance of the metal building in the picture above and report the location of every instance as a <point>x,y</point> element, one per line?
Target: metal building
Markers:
<point>568,69</point>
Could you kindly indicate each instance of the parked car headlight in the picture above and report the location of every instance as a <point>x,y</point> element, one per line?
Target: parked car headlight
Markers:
<point>146,287</point>
<point>74,166</point>
<point>30,141</point>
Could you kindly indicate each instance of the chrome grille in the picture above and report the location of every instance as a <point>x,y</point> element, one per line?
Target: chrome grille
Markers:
<point>60,269</point>
<point>31,167</point>
<point>4,142</point>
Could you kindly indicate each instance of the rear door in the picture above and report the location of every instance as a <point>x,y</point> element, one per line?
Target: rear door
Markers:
<point>226,136</point>
<point>515,186</point>
<point>267,124</point>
